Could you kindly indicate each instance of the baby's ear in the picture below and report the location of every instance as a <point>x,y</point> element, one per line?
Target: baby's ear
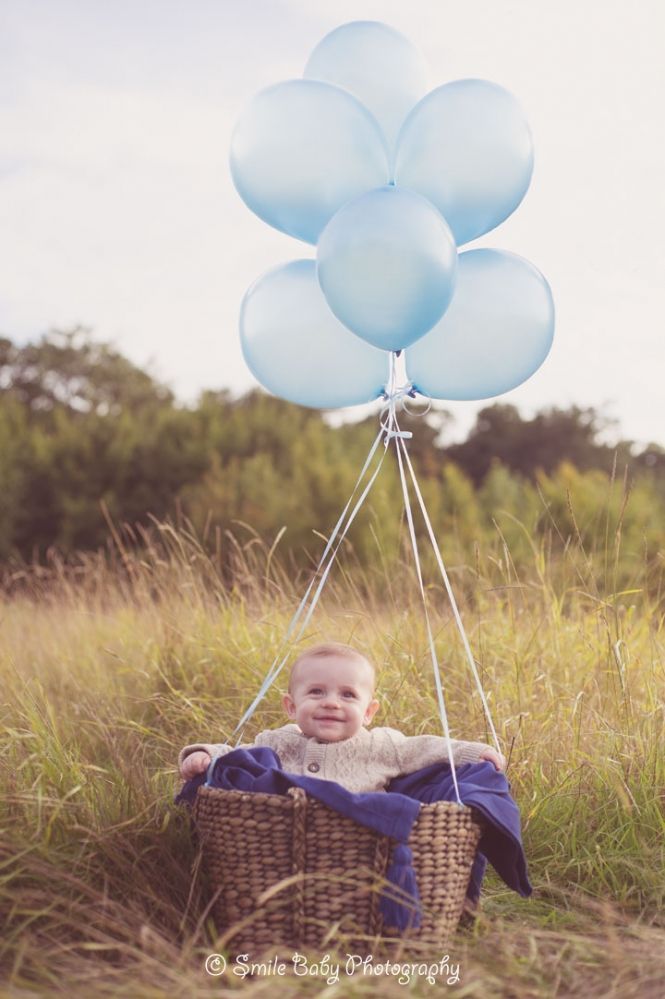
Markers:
<point>289,705</point>
<point>371,710</point>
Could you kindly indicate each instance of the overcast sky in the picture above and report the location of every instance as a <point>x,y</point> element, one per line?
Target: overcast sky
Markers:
<point>117,208</point>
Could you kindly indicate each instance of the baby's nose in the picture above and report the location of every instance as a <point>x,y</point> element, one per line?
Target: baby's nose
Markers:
<point>331,698</point>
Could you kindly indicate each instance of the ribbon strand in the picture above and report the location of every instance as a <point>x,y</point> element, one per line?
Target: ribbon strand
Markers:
<point>453,602</point>
<point>400,446</point>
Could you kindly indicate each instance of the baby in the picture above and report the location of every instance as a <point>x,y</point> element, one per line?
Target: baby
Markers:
<point>331,701</point>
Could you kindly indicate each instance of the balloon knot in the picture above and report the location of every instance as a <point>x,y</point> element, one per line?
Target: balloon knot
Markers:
<point>404,434</point>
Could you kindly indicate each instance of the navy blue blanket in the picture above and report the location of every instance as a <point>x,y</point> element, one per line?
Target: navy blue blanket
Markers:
<point>488,791</point>
<point>393,814</point>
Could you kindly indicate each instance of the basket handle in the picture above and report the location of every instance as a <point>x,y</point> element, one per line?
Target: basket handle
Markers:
<point>298,858</point>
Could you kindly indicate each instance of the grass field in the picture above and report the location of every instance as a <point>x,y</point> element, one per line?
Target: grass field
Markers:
<point>107,668</point>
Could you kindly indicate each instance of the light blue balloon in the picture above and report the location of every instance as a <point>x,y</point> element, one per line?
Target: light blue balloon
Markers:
<point>296,348</point>
<point>497,331</point>
<point>467,147</point>
<point>378,65</point>
<point>302,149</point>
<point>387,263</point>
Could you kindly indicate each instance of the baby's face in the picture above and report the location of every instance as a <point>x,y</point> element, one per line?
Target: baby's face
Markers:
<point>331,698</point>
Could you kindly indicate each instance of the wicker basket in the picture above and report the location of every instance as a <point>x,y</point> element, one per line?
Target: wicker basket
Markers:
<point>287,870</point>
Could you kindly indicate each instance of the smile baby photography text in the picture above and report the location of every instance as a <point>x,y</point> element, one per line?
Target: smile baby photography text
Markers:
<point>300,966</point>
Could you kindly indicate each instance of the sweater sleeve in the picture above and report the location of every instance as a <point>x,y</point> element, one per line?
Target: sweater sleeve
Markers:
<point>272,738</point>
<point>269,738</point>
<point>416,751</point>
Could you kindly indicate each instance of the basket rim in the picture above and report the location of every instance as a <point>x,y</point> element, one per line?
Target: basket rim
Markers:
<point>299,792</point>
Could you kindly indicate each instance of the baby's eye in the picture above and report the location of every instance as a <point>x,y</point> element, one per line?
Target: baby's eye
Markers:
<point>316,690</point>
<point>349,694</point>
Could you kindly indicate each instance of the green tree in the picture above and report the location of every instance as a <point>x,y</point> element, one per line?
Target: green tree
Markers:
<point>540,444</point>
<point>67,368</point>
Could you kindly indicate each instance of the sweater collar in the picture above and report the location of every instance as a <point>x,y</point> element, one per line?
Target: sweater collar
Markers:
<point>362,735</point>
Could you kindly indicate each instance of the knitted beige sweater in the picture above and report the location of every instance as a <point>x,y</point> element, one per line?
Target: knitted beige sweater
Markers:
<point>367,761</point>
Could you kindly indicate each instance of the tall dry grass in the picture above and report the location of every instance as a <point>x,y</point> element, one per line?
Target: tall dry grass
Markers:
<point>110,663</point>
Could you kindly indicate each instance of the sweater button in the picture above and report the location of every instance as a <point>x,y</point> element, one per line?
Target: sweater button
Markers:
<point>313,768</point>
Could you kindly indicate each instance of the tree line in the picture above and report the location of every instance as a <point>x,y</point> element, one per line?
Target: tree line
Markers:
<point>86,435</point>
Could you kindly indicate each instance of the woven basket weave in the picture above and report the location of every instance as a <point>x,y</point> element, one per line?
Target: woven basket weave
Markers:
<point>286,869</point>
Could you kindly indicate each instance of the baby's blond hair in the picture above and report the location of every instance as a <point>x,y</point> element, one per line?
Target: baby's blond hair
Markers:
<point>326,649</point>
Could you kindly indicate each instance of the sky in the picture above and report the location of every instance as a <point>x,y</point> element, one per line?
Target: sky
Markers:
<point>117,209</point>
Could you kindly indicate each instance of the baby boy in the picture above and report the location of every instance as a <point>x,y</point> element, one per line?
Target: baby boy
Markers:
<point>331,703</point>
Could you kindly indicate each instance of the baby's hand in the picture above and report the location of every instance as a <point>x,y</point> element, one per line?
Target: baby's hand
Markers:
<point>194,764</point>
<point>498,759</point>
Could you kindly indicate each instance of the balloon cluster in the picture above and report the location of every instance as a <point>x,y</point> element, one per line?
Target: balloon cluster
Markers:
<point>387,181</point>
